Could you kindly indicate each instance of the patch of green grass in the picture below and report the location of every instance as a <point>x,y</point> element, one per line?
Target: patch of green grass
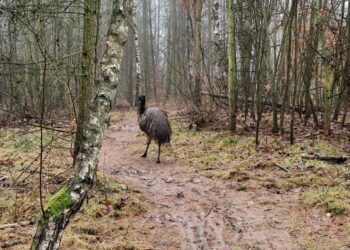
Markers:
<point>26,143</point>
<point>236,246</point>
<point>302,180</point>
<point>312,242</point>
<point>238,173</point>
<point>325,147</point>
<point>317,146</point>
<point>229,142</point>
<point>175,127</point>
<point>7,137</point>
<point>13,140</point>
<point>335,200</point>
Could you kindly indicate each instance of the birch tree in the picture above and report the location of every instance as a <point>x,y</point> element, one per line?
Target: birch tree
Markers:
<point>139,86</point>
<point>68,201</point>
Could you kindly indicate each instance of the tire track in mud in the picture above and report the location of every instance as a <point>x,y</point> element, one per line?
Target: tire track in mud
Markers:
<point>199,213</point>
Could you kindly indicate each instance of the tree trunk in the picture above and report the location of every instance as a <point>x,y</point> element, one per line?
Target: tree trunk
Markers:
<point>289,63</point>
<point>245,39</point>
<point>310,58</point>
<point>87,69</point>
<point>67,202</point>
<point>139,86</point>
<point>152,54</point>
<point>232,79</point>
<point>130,66</point>
<point>217,54</point>
<point>295,74</point>
<point>197,13</point>
<point>346,76</point>
<point>145,48</point>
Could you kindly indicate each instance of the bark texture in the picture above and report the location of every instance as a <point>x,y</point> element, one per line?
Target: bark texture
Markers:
<point>231,64</point>
<point>67,202</point>
<point>138,62</point>
<point>197,15</point>
<point>87,68</point>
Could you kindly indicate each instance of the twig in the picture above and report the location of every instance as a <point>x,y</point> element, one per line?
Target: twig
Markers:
<point>281,167</point>
<point>11,244</point>
<point>209,211</point>
<point>42,140</point>
<point>17,224</point>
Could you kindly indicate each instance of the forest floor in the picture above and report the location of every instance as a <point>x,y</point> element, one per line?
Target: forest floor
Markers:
<point>212,190</point>
<point>218,191</point>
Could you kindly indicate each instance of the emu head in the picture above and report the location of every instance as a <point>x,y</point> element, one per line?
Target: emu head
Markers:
<point>140,103</point>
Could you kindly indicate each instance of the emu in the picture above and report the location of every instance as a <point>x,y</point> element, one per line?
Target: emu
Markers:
<point>154,122</point>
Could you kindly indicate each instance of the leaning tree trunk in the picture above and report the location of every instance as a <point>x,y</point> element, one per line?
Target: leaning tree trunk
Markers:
<point>67,202</point>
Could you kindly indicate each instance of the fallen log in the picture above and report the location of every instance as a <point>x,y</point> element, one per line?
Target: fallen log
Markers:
<point>331,158</point>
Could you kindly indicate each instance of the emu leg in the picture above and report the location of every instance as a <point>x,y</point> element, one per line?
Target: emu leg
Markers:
<point>148,143</point>
<point>158,160</point>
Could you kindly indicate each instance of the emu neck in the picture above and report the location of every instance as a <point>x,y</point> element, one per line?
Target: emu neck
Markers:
<point>141,110</point>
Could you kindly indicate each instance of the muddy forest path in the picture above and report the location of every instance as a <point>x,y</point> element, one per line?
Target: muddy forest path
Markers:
<point>189,210</point>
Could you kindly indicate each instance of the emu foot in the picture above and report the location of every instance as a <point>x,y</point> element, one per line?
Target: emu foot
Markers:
<point>158,161</point>
<point>144,155</point>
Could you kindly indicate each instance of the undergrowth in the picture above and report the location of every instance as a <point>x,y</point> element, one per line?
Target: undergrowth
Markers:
<point>101,217</point>
<point>221,155</point>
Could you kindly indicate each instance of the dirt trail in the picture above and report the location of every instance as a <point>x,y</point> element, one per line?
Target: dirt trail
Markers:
<point>191,211</point>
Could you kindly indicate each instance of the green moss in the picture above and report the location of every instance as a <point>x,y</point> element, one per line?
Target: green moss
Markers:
<point>335,200</point>
<point>58,202</point>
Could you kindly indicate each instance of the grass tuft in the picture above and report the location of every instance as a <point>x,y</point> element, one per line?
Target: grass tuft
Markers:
<point>335,200</point>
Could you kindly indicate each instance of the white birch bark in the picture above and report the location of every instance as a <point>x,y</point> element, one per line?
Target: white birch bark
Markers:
<point>138,63</point>
<point>67,202</point>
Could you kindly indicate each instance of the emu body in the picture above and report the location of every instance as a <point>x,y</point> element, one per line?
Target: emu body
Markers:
<point>154,122</point>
